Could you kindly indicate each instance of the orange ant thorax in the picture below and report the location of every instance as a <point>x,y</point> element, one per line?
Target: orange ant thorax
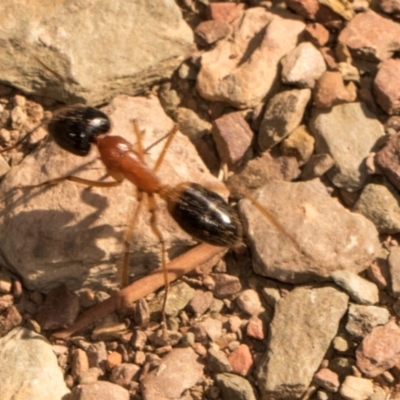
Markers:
<point>121,160</point>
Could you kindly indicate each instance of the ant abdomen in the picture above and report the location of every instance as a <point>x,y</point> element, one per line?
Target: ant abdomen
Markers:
<point>74,128</point>
<point>203,214</point>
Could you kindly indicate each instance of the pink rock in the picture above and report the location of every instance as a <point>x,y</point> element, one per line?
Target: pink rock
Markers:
<point>212,31</point>
<point>389,6</point>
<point>241,360</point>
<point>327,379</point>
<point>360,35</point>
<point>378,273</point>
<point>201,301</point>
<point>317,34</point>
<point>224,11</point>
<point>79,362</point>
<point>99,391</point>
<point>224,285</point>
<point>234,323</point>
<point>387,86</point>
<point>306,8</point>
<point>233,137</point>
<point>330,90</point>
<point>179,370</point>
<point>380,350</point>
<point>255,328</point>
<point>329,57</point>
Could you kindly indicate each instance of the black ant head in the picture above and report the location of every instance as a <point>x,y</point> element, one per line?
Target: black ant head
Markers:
<point>74,128</point>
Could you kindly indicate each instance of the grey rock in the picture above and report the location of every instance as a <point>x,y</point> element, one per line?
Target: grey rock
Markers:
<point>124,57</point>
<point>361,319</point>
<point>217,361</point>
<point>29,368</point>
<point>283,114</point>
<point>234,387</point>
<point>379,202</point>
<point>302,244</point>
<point>293,354</point>
<point>348,133</point>
<point>73,234</point>
<point>179,296</point>
<point>359,289</point>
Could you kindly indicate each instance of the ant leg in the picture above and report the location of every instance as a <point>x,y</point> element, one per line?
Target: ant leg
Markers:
<point>82,181</point>
<point>157,232</point>
<point>161,157</point>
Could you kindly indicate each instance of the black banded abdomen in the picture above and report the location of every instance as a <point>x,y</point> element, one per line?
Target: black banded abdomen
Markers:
<point>204,215</point>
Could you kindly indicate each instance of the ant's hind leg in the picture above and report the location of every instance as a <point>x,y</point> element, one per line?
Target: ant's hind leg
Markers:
<point>87,182</point>
<point>157,232</point>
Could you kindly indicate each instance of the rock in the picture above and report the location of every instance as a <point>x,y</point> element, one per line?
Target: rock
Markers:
<point>342,8</point>
<point>51,37</point>
<point>379,202</point>
<point>355,388</point>
<point>249,302</point>
<point>99,391</point>
<point>79,363</point>
<point>299,144</point>
<point>387,86</point>
<point>241,360</point>
<point>223,285</point>
<point>97,354</point>
<point>212,31</point>
<point>360,36</point>
<point>233,138</point>
<point>4,167</point>
<point>9,319</point>
<point>303,66</point>
<point>124,374</point>
<point>378,272</point>
<point>294,355</point>
<point>359,289</point>
<point>394,269</point>
<point>200,302</point>
<point>387,159</point>
<point>77,239</point>
<point>389,6</point>
<point>226,12</point>
<point>261,170</point>
<point>380,350</point>
<point>287,249</point>
<point>317,34</point>
<point>59,310</point>
<point>348,133</point>
<point>113,359</point>
<point>217,361</point>
<point>255,328</point>
<point>234,387</point>
<point>283,114</point>
<point>362,319</point>
<point>29,368</point>
<point>179,296</point>
<point>327,379</point>
<point>191,124</point>
<point>343,366</point>
<point>306,8</point>
<point>330,90</point>
<point>242,71</point>
<point>317,166</point>
<point>179,370</point>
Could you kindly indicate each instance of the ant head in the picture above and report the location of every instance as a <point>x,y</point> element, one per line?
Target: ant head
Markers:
<point>74,128</point>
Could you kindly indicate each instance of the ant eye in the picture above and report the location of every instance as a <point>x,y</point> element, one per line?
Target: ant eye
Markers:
<point>74,128</point>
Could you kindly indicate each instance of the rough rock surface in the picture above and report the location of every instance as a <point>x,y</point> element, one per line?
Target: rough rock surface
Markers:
<point>293,354</point>
<point>244,70</point>
<point>53,32</point>
<point>348,133</point>
<point>387,159</point>
<point>74,234</point>
<point>291,252</point>
<point>28,368</point>
<point>235,387</point>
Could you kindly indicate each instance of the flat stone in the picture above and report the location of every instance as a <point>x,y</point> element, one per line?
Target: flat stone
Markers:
<point>379,202</point>
<point>317,34</point>
<point>217,361</point>
<point>179,370</point>
<point>299,144</point>
<point>359,289</point>
<point>348,133</point>
<point>380,350</point>
<point>179,296</point>
<point>387,86</point>
<point>201,302</point>
<point>212,31</point>
<point>249,302</point>
<point>303,66</point>
<point>283,114</point>
<point>99,391</point>
<point>74,235</point>
<point>223,285</point>
<point>356,388</point>
<point>317,166</point>
<point>123,374</point>
<point>52,37</point>
<point>360,36</point>
<point>241,360</point>
<point>29,368</point>
<point>294,355</point>
<point>9,318</point>
<point>283,244</point>
<point>242,71</point>
<point>327,379</point>
<point>362,319</point>
<point>394,269</point>
<point>234,387</point>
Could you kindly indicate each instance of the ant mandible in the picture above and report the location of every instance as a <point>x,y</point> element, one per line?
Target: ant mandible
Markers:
<point>200,212</point>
